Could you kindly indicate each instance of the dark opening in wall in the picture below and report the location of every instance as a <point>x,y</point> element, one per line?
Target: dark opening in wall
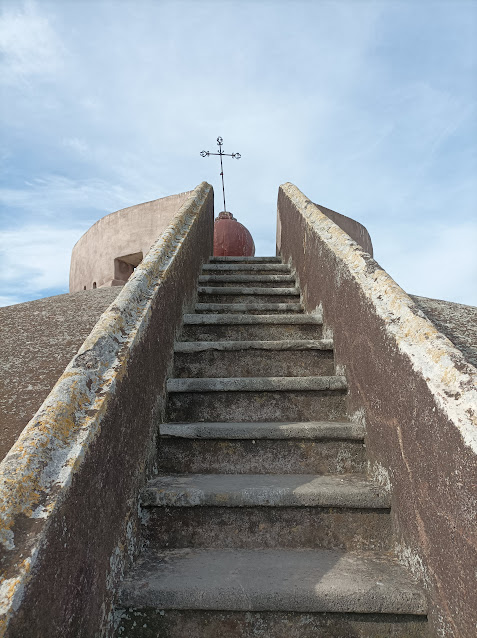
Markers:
<point>94,284</point>
<point>124,267</point>
<point>84,287</point>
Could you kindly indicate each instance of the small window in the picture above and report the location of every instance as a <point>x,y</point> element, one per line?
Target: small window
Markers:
<point>84,287</point>
<point>94,284</point>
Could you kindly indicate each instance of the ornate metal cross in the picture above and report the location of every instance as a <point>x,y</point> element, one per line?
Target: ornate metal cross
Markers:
<point>220,141</point>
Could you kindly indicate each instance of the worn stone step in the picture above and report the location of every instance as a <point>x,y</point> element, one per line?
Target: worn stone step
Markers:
<point>178,623</point>
<point>264,490</point>
<point>237,327</point>
<point>260,456</point>
<point>259,448</point>
<point>270,527</point>
<point>247,290</point>
<point>258,384</point>
<point>253,358</point>
<point>257,269</point>
<point>258,405</point>
<point>257,399</point>
<point>238,511</point>
<point>319,430</point>
<point>256,308</point>
<point>258,281</point>
<point>284,580</point>
<point>245,260</point>
<point>229,294</point>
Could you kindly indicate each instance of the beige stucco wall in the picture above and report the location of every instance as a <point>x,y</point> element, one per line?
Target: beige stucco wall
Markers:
<point>127,232</point>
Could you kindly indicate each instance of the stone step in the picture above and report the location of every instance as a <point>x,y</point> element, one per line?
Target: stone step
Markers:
<point>258,269</point>
<point>237,327</point>
<point>253,358</point>
<point>235,294</point>
<point>247,291</point>
<point>178,623</point>
<point>264,490</point>
<point>283,580</point>
<point>260,405</point>
<point>260,456</point>
<point>260,281</point>
<point>260,448</point>
<point>303,345</point>
<point>267,511</point>
<point>318,430</point>
<point>258,384</point>
<point>312,320</point>
<point>269,527</point>
<point>245,260</point>
<point>252,308</point>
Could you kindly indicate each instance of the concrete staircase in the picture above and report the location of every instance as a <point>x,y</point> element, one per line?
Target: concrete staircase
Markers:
<point>262,521</point>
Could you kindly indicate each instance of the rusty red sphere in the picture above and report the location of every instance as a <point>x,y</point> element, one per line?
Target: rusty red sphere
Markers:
<point>231,238</point>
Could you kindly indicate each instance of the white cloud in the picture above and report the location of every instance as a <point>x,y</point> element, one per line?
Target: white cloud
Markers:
<point>55,196</point>
<point>35,257</point>
<point>28,44</point>
<point>363,120</point>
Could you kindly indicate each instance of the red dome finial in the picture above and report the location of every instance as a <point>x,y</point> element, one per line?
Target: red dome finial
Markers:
<point>231,239</point>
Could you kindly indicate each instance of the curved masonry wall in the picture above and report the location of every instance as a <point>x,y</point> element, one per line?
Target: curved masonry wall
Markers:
<point>417,395</point>
<point>69,485</point>
<point>108,251</point>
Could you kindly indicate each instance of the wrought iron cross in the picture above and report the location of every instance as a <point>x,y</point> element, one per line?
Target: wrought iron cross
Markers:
<point>220,141</point>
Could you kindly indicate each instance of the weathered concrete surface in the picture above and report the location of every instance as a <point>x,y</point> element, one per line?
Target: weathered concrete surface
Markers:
<point>245,260</point>
<point>457,321</point>
<point>253,358</point>
<point>69,485</point>
<point>320,430</point>
<point>170,623</point>
<point>249,320</point>
<point>260,456</point>
<point>266,490</point>
<point>256,268</point>
<point>261,280</point>
<point>236,327</point>
<point>37,341</point>
<point>257,384</point>
<point>417,395</point>
<point>288,405</point>
<point>128,233</point>
<point>352,529</point>
<point>251,308</point>
<point>265,296</point>
<point>245,290</point>
<point>276,346</point>
<point>292,580</point>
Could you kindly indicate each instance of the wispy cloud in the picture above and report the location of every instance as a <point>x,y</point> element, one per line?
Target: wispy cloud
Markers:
<point>29,45</point>
<point>109,104</point>
<point>35,258</point>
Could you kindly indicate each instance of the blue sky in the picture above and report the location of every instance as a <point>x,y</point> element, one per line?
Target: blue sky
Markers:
<point>368,107</point>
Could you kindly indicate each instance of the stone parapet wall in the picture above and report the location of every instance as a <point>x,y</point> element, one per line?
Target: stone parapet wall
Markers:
<point>415,392</point>
<point>350,226</point>
<point>69,485</point>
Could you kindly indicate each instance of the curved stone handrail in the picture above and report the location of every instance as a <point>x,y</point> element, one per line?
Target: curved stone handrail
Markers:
<point>95,433</point>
